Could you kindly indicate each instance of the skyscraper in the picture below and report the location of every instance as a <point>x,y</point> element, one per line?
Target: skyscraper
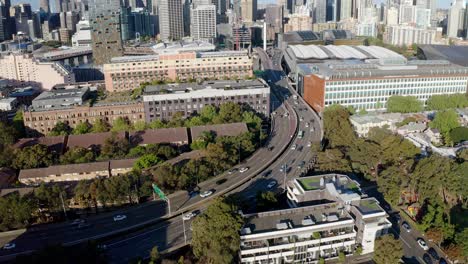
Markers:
<point>5,21</point>
<point>345,9</point>
<point>203,22</point>
<point>104,17</point>
<point>320,11</point>
<point>456,19</point>
<point>171,19</point>
<point>44,5</point>
<point>248,10</point>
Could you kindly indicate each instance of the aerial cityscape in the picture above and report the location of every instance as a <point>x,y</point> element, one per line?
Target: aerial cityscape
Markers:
<point>243,131</point>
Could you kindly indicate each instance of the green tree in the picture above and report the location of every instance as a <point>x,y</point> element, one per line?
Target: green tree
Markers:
<point>462,241</point>
<point>458,134</point>
<point>82,128</point>
<point>445,121</point>
<point>388,250</point>
<point>363,111</point>
<point>342,257</point>
<point>49,197</point>
<point>146,161</point>
<point>228,113</point>
<point>100,126</point>
<point>114,148</point>
<point>120,124</point>
<point>404,104</point>
<point>32,157</point>
<point>8,136</point>
<point>154,254</point>
<point>208,113</point>
<point>139,126</point>
<point>77,155</point>
<point>447,101</point>
<point>215,236</point>
<point>60,129</point>
<point>337,128</point>
<point>16,211</point>
<point>18,124</point>
<point>155,124</point>
<point>203,140</point>
<point>266,201</point>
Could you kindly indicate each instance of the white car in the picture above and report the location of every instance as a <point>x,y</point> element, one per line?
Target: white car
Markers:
<point>206,193</point>
<point>271,185</point>
<point>293,147</point>
<point>312,129</point>
<point>8,246</point>
<point>244,169</point>
<point>307,125</point>
<point>422,244</point>
<point>309,144</point>
<point>188,216</point>
<point>120,217</point>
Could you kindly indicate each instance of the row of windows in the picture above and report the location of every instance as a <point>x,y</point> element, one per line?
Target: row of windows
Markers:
<point>443,79</point>
<point>373,93</point>
<point>163,102</point>
<point>183,107</point>
<point>356,87</point>
<point>366,100</point>
<point>116,65</point>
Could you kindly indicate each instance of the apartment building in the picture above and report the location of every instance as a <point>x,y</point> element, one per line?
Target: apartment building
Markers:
<point>76,172</point>
<point>328,216</point>
<point>26,69</point>
<point>127,73</point>
<point>71,106</point>
<point>368,84</point>
<point>406,35</point>
<point>163,101</point>
<point>203,22</point>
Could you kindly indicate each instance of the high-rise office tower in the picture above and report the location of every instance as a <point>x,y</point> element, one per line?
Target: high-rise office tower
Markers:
<point>203,22</point>
<point>456,19</point>
<point>44,5</point>
<point>137,23</point>
<point>345,9</point>
<point>6,23</point>
<point>63,19</point>
<point>58,6</point>
<point>171,19</point>
<point>320,11</point>
<point>332,10</point>
<point>21,13</point>
<point>104,18</point>
<point>72,19</point>
<point>248,10</point>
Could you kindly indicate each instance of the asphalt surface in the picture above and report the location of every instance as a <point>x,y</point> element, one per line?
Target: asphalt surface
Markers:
<point>170,234</point>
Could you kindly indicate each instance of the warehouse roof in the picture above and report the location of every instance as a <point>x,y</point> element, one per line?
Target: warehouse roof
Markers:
<point>177,135</point>
<point>233,129</point>
<point>454,54</point>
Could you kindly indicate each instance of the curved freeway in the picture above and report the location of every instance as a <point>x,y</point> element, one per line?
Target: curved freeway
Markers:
<point>168,232</point>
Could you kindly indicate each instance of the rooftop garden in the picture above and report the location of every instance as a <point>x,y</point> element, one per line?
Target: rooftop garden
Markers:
<point>310,184</point>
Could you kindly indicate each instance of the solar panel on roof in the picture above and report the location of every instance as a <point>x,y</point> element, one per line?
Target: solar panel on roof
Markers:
<point>307,35</point>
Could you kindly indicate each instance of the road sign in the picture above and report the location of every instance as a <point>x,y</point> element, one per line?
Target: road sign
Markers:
<point>159,192</point>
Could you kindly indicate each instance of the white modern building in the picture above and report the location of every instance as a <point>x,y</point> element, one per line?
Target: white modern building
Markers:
<point>406,35</point>
<point>366,29</point>
<point>328,216</point>
<point>82,36</point>
<point>456,18</point>
<point>363,123</point>
<point>203,22</point>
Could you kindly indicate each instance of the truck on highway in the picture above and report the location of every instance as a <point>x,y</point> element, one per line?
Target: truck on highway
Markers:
<point>300,134</point>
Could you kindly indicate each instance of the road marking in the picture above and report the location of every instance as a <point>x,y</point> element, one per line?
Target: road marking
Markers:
<point>405,242</point>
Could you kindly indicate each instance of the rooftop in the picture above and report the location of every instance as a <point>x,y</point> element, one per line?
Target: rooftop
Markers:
<point>233,129</point>
<point>455,54</point>
<point>56,143</point>
<point>91,140</point>
<point>64,169</point>
<point>294,218</point>
<point>373,118</point>
<point>188,87</point>
<point>343,52</point>
<point>368,206</point>
<point>156,136</point>
<point>182,45</point>
<point>66,53</point>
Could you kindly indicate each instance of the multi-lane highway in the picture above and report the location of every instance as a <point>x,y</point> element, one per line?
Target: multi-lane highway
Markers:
<point>170,234</point>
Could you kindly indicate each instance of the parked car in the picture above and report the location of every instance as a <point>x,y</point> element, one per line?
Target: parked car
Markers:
<point>442,261</point>
<point>301,164</point>
<point>309,144</point>
<point>284,168</point>
<point>422,244</point>
<point>206,194</point>
<point>231,171</point>
<point>189,216</point>
<point>433,253</point>
<point>244,169</point>
<point>83,226</point>
<point>306,124</point>
<point>120,217</point>
<point>78,221</point>
<point>9,246</point>
<point>427,259</point>
<point>294,146</point>
<point>271,185</point>
<point>406,226</point>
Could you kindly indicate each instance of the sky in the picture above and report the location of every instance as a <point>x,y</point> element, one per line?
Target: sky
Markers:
<point>35,3</point>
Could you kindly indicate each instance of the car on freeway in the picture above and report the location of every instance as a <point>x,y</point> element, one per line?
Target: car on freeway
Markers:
<point>266,173</point>
<point>306,124</point>
<point>271,184</point>
<point>301,164</point>
<point>433,253</point>
<point>206,194</point>
<point>422,244</point>
<point>284,168</point>
<point>189,216</point>
<point>296,103</point>
<point>244,169</point>
<point>9,246</point>
<point>271,148</point>
<point>269,81</point>
<point>231,171</point>
<point>312,129</point>
<point>193,193</point>
<point>301,118</point>
<point>293,147</point>
<point>427,259</point>
<point>406,226</point>
<point>120,217</point>
<point>309,144</point>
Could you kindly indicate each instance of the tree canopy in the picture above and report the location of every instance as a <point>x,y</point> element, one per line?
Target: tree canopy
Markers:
<point>388,250</point>
<point>215,236</point>
<point>404,104</point>
<point>447,101</point>
<point>445,121</point>
<point>60,129</point>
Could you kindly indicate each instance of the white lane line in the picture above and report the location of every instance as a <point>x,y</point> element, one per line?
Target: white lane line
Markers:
<point>404,241</point>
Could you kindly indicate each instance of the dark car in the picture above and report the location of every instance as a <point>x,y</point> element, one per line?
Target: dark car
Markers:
<point>406,226</point>
<point>433,253</point>
<point>442,261</point>
<point>266,173</point>
<point>427,259</point>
